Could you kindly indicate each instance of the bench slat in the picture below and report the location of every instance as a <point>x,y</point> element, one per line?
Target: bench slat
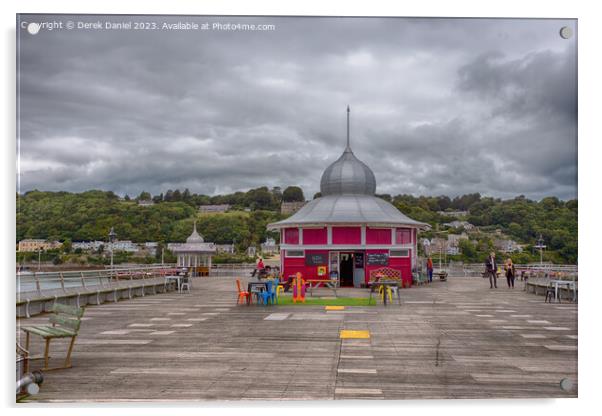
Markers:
<point>68,310</point>
<point>49,331</point>
<point>66,321</point>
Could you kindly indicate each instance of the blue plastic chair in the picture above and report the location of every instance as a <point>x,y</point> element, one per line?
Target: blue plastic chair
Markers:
<point>275,290</point>
<point>268,295</point>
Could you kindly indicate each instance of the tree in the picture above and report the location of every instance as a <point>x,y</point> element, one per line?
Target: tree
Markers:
<point>277,193</point>
<point>317,195</point>
<point>293,194</point>
<point>186,195</point>
<point>144,196</point>
<point>67,246</point>
<point>260,198</point>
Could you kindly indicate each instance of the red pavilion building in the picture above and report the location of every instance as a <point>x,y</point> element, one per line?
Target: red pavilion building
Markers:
<point>348,232</point>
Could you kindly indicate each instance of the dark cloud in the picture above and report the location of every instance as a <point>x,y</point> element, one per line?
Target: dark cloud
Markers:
<point>439,106</point>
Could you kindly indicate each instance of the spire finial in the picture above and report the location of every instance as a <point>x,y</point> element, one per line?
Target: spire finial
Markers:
<point>348,146</point>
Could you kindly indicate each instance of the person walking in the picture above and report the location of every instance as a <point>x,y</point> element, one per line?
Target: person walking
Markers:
<point>429,269</point>
<point>491,267</point>
<point>510,272</point>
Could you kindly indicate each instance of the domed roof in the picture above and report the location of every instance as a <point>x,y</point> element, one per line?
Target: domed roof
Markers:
<point>195,237</point>
<point>348,186</point>
<point>348,175</point>
<point>348,209</point>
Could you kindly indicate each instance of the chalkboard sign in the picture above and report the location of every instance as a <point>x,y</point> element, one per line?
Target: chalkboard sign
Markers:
<point>316,259</point>
<point>359,260</point>
<point>381,259</point>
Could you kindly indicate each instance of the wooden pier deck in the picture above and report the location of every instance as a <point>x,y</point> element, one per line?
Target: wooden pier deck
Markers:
<point>454,339</point>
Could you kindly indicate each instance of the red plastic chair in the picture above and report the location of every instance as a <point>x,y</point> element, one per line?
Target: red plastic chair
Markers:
<point>242,294</point>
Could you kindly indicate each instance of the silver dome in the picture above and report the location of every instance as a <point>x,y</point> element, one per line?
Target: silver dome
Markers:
<point>195,237</point>
<point>348,175</point>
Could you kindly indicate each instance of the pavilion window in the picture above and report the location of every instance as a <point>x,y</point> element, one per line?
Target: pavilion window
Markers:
<point>399,253</point>
<point>346,235</point>
<point>315,236</point>
<point>403,236</point>
<point>378,236</point>
<point>291,236</point>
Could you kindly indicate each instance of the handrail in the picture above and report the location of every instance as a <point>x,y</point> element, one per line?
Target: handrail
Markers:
<point>41,282</point>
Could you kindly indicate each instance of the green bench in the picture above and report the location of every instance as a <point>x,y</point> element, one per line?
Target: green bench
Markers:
<point>419,278</point>
<point>65,322</point>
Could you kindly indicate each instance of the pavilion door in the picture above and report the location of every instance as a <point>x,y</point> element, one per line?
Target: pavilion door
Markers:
<point>359,275</point>
<point>333,267</point>
<point>346,269</point>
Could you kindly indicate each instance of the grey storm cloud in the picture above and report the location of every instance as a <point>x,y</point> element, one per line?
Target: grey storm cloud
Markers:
<point>439,106</point>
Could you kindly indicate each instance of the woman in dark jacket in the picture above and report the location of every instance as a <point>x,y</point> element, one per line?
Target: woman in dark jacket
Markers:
<point>510,272</point>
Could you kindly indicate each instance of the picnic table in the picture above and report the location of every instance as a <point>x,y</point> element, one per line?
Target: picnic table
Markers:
<point>384,284</point>
<point>177,278</point>
<point>316,283</point>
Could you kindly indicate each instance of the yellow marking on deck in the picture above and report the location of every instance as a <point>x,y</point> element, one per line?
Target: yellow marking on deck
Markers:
<point>347,334</point>
<point>334,308</point>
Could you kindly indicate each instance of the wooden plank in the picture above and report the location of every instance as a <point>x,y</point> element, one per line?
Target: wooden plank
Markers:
<point>428,347</point>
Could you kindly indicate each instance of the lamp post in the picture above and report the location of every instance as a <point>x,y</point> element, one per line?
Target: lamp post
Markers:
<point>112,237</point>
<point>540,245</point>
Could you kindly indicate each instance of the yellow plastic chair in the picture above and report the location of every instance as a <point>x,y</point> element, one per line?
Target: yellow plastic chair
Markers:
<point>279,289</point>
<point>389,292</point>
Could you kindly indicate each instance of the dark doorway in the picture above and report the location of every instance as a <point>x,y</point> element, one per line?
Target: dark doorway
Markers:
<point>346,269</point>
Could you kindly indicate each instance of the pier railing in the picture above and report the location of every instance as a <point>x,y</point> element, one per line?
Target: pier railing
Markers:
<point>540,270</point>
<point>42,283</point>
<point>37,292</point>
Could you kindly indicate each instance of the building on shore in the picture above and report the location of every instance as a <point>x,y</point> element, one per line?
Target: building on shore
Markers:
<point>35,244</point>
<point>269,246</point>
<point>455,214</point>
<point>460,224</point>
<point>287,208</point>
<point>123,245</point>
<point>348,232</point>
<point>225,248</point>
<point>195,253</point>
<point>507,246</point>
<point>146,202</point>
<point>88,245</point>
<point>214,208</point>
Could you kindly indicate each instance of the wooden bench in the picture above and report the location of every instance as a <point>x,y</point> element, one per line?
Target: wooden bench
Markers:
<point>65,322</point>
<point>419,278</point>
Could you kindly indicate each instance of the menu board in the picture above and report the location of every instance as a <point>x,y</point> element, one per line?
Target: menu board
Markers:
<point>359,260</point>
<point>316,259</point>
<point>381,259</point>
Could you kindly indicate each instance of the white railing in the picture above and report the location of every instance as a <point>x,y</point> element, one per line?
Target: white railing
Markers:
<point>62,281</point>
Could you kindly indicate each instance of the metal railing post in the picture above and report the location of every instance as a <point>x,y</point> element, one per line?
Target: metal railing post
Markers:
<point>62,281</point>
<point>83,279</point>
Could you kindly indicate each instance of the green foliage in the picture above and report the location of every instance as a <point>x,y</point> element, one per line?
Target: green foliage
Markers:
<point>225,258</point>
<point>293,194</point>
<point>67,217</point>
<point>90,215</point>
<point>520,218</point>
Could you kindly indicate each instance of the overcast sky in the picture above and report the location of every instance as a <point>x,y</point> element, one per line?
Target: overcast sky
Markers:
<point>438,106</point>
